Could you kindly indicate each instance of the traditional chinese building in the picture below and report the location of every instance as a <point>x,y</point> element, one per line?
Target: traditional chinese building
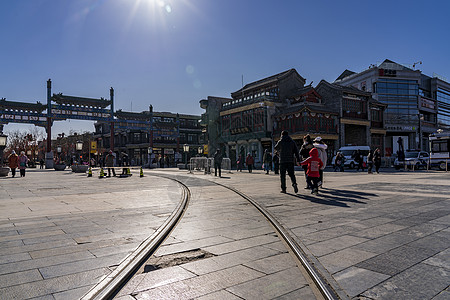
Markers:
<point>149,135</point>
<point>360,116</point>
<point>246,120</point>
<point>304,113</point>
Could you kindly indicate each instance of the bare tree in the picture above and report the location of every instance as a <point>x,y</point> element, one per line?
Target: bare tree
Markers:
<point>24,140</point>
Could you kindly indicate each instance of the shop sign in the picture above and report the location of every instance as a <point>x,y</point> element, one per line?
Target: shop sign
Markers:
<point>387,73</point>
<point>240,130</point>
<point>400,128</point>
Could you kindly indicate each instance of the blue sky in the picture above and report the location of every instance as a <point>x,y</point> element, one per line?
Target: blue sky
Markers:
<point>171,54</point>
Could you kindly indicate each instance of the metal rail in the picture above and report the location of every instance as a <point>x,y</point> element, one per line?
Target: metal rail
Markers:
<point>324,288</point>
<point>113,283</point>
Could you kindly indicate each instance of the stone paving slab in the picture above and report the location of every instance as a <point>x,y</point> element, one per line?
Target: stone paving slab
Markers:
<point>382,236</point>
<point>246,254</point>
<point>402,221</point>
<point>66,227</point>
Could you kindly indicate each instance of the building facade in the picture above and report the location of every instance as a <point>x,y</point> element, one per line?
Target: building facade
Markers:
<point>305,113</point>
<point>210,123</point>
<point>417,105</point>
<point>246,121</point>
<point>252,120</point>
<point>147,136</point>
<point>360,116</point>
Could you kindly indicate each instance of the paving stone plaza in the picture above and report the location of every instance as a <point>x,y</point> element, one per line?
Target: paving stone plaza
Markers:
<point>378,236</point>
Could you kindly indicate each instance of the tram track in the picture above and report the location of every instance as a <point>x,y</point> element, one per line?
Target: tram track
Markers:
<point>112,284</point>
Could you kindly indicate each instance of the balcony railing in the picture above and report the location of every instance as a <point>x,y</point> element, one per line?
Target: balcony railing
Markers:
<point>354,115</point>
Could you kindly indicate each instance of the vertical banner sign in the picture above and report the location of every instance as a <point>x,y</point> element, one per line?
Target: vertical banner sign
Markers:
<point>93,146</point>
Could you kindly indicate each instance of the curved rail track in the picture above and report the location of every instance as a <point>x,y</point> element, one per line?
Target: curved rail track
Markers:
<point>114,282</point>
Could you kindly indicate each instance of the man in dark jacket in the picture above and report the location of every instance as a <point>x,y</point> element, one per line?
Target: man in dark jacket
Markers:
<point>218,163</point>
<point>287,149</point>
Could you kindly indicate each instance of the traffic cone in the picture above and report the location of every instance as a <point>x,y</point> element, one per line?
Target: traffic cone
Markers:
<point>141,173</point>
<point>102,174</point>
<point>90,172</point>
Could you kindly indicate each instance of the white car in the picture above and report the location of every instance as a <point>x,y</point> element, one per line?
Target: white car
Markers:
<point>348,151</point>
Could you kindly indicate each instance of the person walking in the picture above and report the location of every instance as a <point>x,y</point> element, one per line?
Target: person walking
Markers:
<point>41,162</point>
<point>249,161</point>
<point>109,162</point>
<point>377,160</point>
<point>276,163</point>
<point>13,162</point>
<point>304,153</point>
<point>357,157</point>
<point>288,153</point>
<point>125,164</point>
<point>267,161</point>
<point>322,149</point>
<point>314,164</point>
<point>240,163</point>
<point>369,162</point>
<point>23,160</point>
<point>218,163</point>
<point>339,162</point>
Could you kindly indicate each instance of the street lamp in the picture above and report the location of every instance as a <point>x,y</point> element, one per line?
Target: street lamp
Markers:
<point>79,147</point>
<point>186,150</point>
<point>150,151</point>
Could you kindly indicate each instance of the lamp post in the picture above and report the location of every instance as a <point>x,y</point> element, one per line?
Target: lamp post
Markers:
<point>79,147</point>
<point>58,149</point>
<point>3,139</point>
<point>150,151</point>
<point>186,150</point>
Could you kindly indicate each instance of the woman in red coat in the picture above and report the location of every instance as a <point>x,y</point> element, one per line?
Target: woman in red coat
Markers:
<point>13,162</point>
<point>249,161</point>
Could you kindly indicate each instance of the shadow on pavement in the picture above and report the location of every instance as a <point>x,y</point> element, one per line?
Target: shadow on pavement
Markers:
<point>347,193</point>
<point>334,197</point>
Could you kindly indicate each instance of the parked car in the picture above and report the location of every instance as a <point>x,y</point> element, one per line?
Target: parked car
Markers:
<point>413,159</point>
<point>348,151</point>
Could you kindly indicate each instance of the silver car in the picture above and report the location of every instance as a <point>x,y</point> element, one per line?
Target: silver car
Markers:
<point>413,159</point>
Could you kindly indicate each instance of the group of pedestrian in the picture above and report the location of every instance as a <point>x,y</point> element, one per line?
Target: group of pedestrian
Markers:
<point>314,160</point>
<point>268,160</point>
<point>374,159</point>
<point>312,157</point>
<point>18,161</point>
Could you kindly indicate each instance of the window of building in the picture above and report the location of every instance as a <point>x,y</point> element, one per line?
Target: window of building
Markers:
<point>376,115</point>
<point>192,138</point>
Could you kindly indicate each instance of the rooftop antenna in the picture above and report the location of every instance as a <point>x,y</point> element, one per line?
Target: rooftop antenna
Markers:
<point>416,63</point>
<point>242,82</point>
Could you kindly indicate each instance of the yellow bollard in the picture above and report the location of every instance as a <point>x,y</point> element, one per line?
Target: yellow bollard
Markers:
<point>102,174</point>
<point>141,173</point>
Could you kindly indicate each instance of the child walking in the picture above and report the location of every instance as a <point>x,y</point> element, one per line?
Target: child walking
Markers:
<point>313,164</point>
